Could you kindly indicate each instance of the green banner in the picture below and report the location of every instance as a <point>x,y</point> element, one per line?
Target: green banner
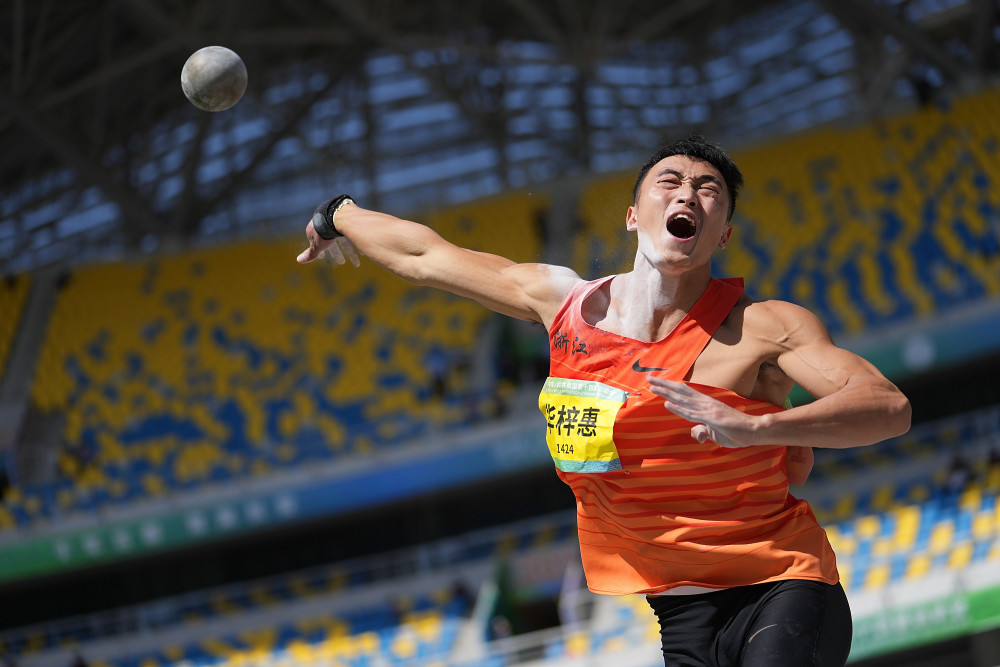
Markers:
<point>925,623</point>
<point>106,543</point>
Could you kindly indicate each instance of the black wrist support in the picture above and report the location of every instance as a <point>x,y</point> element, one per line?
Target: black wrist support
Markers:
<point>322,219</point>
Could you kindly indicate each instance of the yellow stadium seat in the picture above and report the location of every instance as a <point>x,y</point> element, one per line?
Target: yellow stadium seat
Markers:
<point>300,587</point>
<point>846,545</point>
<point>868,527</point>
<point>877,576</point>
<point>330,650</point>
<point>578,644</point>
<point>883,497</point>
<point>367,643</point>
<point>907,520</point>
<point>919,493</point>
<point>982,525</point>
<point>941,537</point>
<point>403,646</point>
<point>993,479</point>
<point>261,596</point>
<point>428,625</point>
<point>153,484</point>
<point>173,653</point>
<point>301,651</point>
<point>65,498</point>
<point>960,556</point>
<point>918,566</point>
<point>972,498</point>
<point>223,605</point>
<point>845,506</point>
<point>336,579</point>
<point>883,547</point>
<point>217,647</point>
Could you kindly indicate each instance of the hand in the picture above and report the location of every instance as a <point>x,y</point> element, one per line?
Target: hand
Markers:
<point>340,249</point>
<point>714,420</point>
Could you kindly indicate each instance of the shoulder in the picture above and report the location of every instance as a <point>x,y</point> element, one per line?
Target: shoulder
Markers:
<point>545,285</point>
<point>785,324</point>
<point>545,279</point>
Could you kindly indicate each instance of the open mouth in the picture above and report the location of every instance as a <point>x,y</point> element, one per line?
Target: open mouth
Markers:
<point>681,226</point>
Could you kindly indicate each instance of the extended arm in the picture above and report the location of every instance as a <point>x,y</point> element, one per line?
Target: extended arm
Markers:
<point>419,255</point>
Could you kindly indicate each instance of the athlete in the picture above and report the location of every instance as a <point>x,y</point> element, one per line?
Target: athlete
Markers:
<point>664,412</point>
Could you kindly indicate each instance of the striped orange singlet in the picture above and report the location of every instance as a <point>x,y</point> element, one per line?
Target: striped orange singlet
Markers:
<point>656,509</point>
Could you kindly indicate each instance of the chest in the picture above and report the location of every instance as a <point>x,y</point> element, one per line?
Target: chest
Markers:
<point>727,359</point>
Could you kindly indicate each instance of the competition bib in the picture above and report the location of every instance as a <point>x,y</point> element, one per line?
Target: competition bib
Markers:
<point>580,421</point>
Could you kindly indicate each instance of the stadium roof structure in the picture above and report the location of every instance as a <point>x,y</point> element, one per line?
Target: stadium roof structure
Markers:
<point>410,104</point>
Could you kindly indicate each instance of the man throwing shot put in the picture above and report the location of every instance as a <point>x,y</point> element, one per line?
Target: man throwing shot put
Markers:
<point>663,413</point>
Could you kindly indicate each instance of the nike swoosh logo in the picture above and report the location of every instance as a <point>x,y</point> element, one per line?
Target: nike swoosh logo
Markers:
<point>646,369</point>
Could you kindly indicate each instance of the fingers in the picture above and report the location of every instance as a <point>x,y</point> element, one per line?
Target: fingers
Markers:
<point>335,253</point>
<point>680,398</point>
<point>347,249</point>
<point>340,249</point>
<point>308,255</point>
<point>315,250</point>
<point>713,420</point>
<point>700,433</point>
<point>668,388</point>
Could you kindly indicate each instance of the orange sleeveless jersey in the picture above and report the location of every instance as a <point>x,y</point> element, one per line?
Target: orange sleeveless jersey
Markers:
<point>655,508</point>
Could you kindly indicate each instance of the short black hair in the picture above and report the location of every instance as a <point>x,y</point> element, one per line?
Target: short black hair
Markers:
<point>697,147</point>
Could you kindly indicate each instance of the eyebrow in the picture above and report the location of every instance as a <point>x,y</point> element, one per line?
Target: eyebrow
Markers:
<point>703,177</point>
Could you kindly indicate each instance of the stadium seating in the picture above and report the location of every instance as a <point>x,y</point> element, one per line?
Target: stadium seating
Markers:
<point>903,531</point>
<point>867,226</point>
<point>364,637</point>
<point>220,363</point>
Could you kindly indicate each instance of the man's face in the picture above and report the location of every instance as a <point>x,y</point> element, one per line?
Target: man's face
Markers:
<point>680,214</point>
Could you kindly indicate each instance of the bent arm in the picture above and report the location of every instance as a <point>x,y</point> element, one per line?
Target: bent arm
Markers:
<point>855,404</point>
<point>417,254</point>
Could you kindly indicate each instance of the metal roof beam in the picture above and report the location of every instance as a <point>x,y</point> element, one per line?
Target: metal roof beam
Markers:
<point>67,148</point>
<point>858,15</point>
<point>983,43</point>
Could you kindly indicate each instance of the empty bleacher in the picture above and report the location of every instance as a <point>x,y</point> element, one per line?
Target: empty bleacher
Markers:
<point>866,226</point>
<point>228,362</point>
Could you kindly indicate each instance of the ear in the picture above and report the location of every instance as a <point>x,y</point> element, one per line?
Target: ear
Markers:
<point>631,223</point>
<point>726,233</point>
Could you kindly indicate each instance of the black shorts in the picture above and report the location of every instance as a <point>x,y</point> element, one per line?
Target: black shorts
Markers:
<point>794,623</point>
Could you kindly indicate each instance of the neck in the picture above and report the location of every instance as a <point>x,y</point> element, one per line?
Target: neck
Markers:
<point>650,303</point>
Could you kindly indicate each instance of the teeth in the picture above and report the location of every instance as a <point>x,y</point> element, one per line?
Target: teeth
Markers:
<point>682,225</point>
